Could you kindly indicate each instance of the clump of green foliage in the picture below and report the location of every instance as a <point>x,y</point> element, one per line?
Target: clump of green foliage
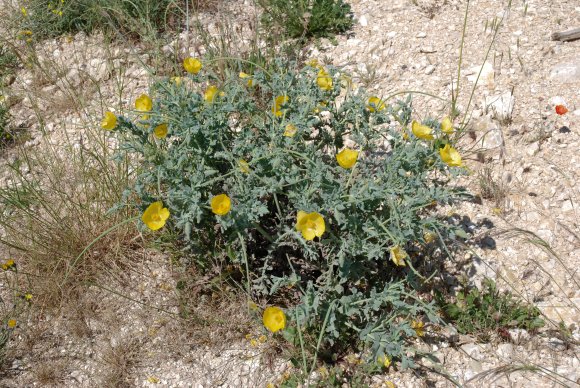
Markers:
<point>51,18</point>
<point>307,18</point>
<point>487,310</point>
<point>271,146</point>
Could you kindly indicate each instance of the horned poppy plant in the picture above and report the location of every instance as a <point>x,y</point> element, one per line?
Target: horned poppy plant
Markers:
<point>422,131</point>
<point>160,131</point>
<point>310,225</point>
<point>447,126</point>
<point>278,102</point>
<point>375,104</point>
<point>143,103</point>
<point>347,158</point>
<point>324,80</point>
<point>561,110</point>
<point>109,121</point>
<point>192,65</point>
<point>248,77</point>
<point>274,319</point>
<point>398,255</point>
<point>290,130</point>
<point>221,204</point>
<point>155,216</point>
<point>450,156</point>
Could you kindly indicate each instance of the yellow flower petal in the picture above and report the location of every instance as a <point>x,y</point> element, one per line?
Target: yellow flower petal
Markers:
<point>385,361</point>
<point>210,93</point>
<point>447,125</point>
<point>160,131</point>
<point>12,323</point>
<point>278,102</point>
<point>155,216</point>
<point>418,327</point>
<point>324,80</point>
<point>310,225</point>
<point>375,104</point>
<point>450,156</point>
<point>398,255</point>
<point>109,121</point>
<point>250,81</point>
<point>244,166</point>
<point>221,204</point>
<point>176,80</point>
<point>274,319</point>
<point>347,158</point>
<point>422,131</point>
<point>143,103</point>
<point>192,65</point>
<point>290,130</point>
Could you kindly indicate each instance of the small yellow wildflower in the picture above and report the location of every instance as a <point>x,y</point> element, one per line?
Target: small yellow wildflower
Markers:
<point>447,125</point>
<point>422,131</point>
<point>324,80</point>
<point>176,80</point>
<point>375,104</point>
<point>418,327</point>
<point>153,380</point>
<point>390,384</point>
<point>323,371</point>
<point>385,361</point>
<point>109,121</point>
<point>253,343</point>
<point>8,265</point>
<point>310,225</point>
<point>160,131</point>
<point>262,339</point>
<point>278,102</point>
<point>210,93</point>
<point>221,204</point>
<point>155,216</point>
<point>244,166</point>
<point>290,130</point>
<point>28,296</point>
<point>192,65</point>
<point>252,305</point>
<point>274,319</point>
<point>12,323</point>
<point>496,210</point>
<point>405,135</point>
<point>398,255</point>
<point>270,385</point>
<point>313,63</point>
<point>450,156</point>
<point>250,81</point>
<point>143,103</point>
<point>23,11</point>
<point>347,158</point>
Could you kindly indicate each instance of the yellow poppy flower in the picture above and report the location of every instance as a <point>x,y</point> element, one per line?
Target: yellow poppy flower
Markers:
<point>28,296</point>
<point>450,156</point>
<point>310,225</point>
<point>290,130</point>
<point>12,323</point>
<point>274,319</point>
<point>398,255</point>
<point>422,131</point>
<point>8,265</point>
<point>176,80</point>
<point>375,104</point>
<point>278,102</point>
<point>347,158</point>
<point>155,216</point>
<point>210,93</point>
<point>160,131</point>
<point>385,361</point>
<point>221,204</point>
<point>324,80</point>
<point>418,327</point>
<point>244,166</point>
<point>109,121</point>
<point>447,125</point>
<point>144,103</point>
<point>250,81</point>
<point>192,65</point>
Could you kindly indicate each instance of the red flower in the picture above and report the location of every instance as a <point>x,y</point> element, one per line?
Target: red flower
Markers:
<point>561,110</point>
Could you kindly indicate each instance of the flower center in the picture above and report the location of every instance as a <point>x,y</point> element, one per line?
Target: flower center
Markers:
<point>156,217</point>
